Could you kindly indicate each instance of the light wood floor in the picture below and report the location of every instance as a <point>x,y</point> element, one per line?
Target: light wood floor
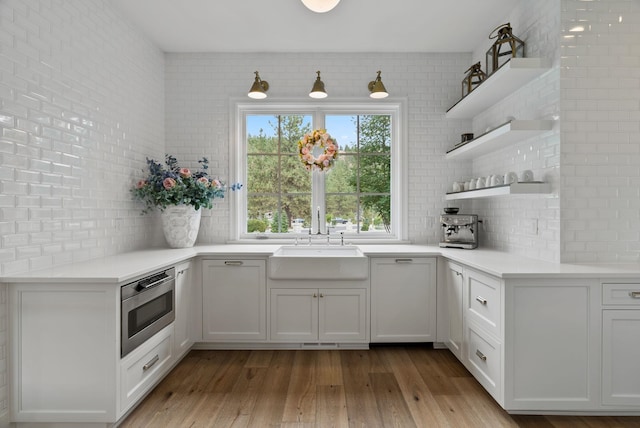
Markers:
<point>382,387</point>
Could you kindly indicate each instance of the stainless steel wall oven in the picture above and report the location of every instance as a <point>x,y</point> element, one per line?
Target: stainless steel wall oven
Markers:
<point>148,305</point>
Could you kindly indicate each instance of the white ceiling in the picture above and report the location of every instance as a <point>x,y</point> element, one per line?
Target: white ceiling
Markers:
<point>288,26</point>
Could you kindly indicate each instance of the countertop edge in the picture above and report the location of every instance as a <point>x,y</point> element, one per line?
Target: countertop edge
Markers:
<point>119,269</point>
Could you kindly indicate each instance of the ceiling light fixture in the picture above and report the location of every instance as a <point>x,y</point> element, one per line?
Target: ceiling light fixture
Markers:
<point>377,89</point>
<point>318,88</point>
<point>320,6</point>
<point>259,88</point>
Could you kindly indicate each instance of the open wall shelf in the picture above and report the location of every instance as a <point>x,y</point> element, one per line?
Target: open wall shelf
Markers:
<point>504,81</point>
<point>509,133</point>
<point>530,188</point>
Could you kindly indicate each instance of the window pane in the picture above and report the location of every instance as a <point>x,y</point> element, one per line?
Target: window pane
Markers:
<point>260,211</point>
<point>375,174</point>
<point>295,178</point>
<point>341,178</point>
<point>376,213</point>
<point>342,213</point>
<point>293,128</point>
<point>375,133</point>
<point>262,174</point>
<point>344,129</point>
<point>262,134</point>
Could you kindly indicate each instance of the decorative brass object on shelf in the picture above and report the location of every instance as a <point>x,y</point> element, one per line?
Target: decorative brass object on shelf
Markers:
<point>473,78</point>
<point>504,39</point>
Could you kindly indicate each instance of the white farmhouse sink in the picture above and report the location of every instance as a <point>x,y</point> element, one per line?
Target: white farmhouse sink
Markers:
<point>318,262</point>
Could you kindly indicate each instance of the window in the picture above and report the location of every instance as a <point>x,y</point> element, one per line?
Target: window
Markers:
<point>361,196</point>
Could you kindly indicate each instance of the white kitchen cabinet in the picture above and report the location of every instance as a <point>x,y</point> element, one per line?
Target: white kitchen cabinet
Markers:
<point>455,308</point>
<point>234,300</point>
<point>621,344</point>
<point>552,344</point>
<point>183,335</point>
<point>403,299</point>
<point>336,315</point>
<point>64,352</point>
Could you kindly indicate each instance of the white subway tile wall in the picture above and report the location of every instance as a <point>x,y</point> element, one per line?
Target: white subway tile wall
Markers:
<point>81,106</point>
<point>600,155</point>
<point>525,225</point>
<point>201,89</point>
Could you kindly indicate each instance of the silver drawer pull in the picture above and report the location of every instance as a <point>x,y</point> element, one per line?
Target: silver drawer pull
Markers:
<point>458,273</point>
<point>404,260</point>
<point>233,263</point>
<point>151,363</point>
<point>315,295</point>
<point>481,355</point>
<point>482,300</point>
<point>634,294</point>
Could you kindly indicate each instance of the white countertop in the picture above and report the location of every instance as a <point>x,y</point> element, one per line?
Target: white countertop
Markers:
<point>125,267</point>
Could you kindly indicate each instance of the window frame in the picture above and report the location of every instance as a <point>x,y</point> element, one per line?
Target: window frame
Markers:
<point>318,110</point>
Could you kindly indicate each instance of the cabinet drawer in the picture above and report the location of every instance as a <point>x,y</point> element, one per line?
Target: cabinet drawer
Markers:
<point>483,301</point>
<point>143,367</point>
<point>483,357</point>
<point>621,294</point>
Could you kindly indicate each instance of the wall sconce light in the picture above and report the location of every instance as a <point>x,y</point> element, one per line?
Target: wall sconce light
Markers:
<point>320,6</point>
<point>377,89</point>
<point>318,88</point>
<point>259,88</point>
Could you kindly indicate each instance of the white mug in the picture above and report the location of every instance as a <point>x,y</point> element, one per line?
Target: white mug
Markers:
<point>497,180</point>
<point>467,185</point>
<point>510,177</point>
<point>480,183</point>
<point>458,187</point>
<point>527,175</point>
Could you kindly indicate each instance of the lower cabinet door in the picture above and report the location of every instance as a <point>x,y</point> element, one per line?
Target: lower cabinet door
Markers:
<point>234,300</point>
<point>294,315</point>
<point>343,315</point>
<point>620,357</point>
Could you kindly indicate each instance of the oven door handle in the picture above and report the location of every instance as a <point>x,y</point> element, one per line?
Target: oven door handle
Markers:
<point>141,286</point>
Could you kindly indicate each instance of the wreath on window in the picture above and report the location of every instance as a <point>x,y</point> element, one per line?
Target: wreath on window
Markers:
<point>318,150</point>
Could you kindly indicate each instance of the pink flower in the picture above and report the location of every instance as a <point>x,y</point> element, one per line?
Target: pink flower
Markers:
<point>204,181</point>
<point>169,183</point>
<point>305,150</point>
<point>140,184</point>
<point>185,173</point>
<point>325,163</point>
<point>216,182</point>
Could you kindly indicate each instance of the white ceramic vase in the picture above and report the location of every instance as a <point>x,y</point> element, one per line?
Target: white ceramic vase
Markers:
<point>180,224</point>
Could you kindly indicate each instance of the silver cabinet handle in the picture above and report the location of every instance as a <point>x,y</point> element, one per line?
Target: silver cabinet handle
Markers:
<point>315,295</point>
<point>151,363</point>
<point>634,294</point>
<point>482,300</point>
<point>481,355</point>
<point>321,295</point>
<point>404,260</point>
<point>233,262</point>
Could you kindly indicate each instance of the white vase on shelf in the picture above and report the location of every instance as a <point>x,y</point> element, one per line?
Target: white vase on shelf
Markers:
<point>180,224</point>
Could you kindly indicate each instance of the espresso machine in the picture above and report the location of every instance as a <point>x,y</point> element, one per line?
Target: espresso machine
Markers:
<point>459,231</point>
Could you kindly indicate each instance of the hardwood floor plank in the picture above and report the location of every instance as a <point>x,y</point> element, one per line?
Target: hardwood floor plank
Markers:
<point>393,409</point>
<point>416,393</point>
<point>434,371</point>
<point>240,402</point>
<point>223,379</point>
<point>272,394</point>
<point>300,405</point>
<point>259,358</point>
<point>328,367</point>
<point>362,407</point>
<point>481,404</point>
<point>331,406</point>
